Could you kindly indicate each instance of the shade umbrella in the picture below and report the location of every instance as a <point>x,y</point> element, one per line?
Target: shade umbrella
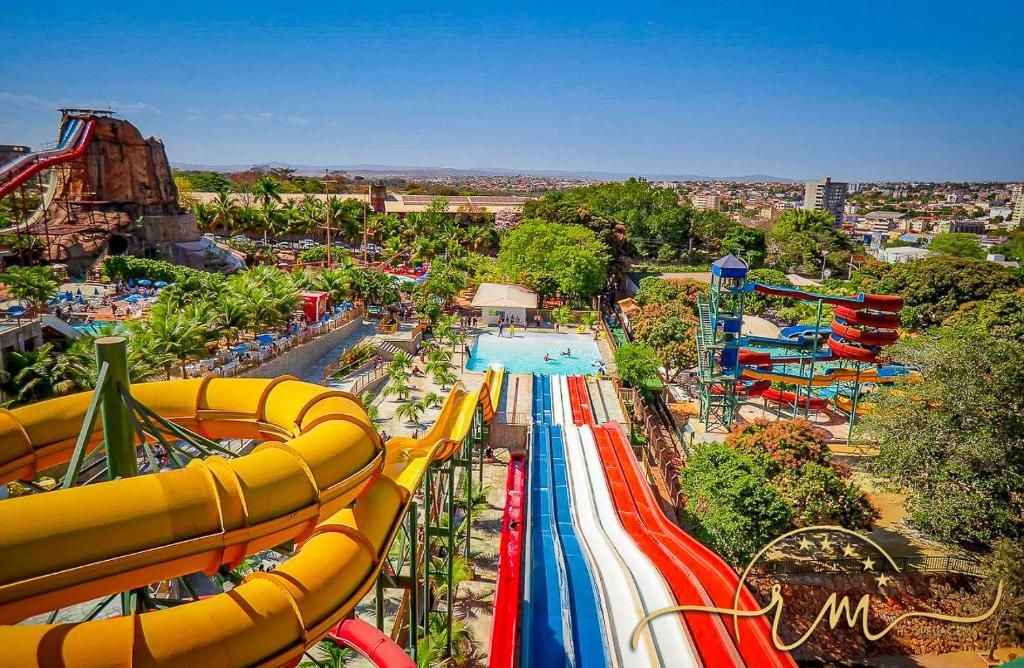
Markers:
<point>265,338</point>
<point>240,348</point>
<point>160,284</point>
<point>131,299</point>
<point>16,311</point>
<point>145,282</point>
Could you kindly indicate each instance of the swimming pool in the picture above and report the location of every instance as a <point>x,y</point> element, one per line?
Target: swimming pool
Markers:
<point>525,353</point>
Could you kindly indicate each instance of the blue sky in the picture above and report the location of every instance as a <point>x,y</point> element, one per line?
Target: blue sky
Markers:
<point>858,91</point>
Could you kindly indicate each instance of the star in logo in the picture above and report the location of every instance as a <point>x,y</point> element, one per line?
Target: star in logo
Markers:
<point>869,563</point>
<point>805,544</point>
<point>848,551</point>
<point>826,544</point>
<point>883,580</point>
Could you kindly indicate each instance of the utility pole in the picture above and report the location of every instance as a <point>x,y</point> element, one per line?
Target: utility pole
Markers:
<point>327,189</point>
<point>366,203</point>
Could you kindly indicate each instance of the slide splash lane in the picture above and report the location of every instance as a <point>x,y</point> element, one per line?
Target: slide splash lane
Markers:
<point>696,575</point>
<point>630,586</point>
<point>505,627</point>
<point>321,454</point>
<point>561,625</point>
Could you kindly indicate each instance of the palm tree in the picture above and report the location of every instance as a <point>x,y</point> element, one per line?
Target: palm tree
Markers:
<point>44,372</point>
<point>337,283</point>
<point>445,378</point>
<point>402,361</point>
<point>230,315</point>
<point>179,334</point>
<point>204,215</point>
<point>310,213</point>
<point>431,649</point>
<point>336,656</point>
<point>267,192</point>
<point>412,409</point>
<point>33,285</point>
<point>223,210</point>
<point>432,399</point>
<point>372,411</point>
<point>397,388</point>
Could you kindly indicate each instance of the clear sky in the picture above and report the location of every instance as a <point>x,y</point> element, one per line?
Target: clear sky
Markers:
<point>855,90</point>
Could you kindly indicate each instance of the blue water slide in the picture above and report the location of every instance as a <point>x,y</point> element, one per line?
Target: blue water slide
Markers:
<point>547,629</point>
<point>587,629</point>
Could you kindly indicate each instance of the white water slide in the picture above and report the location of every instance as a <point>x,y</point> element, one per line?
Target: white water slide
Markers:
<point>630,586</point>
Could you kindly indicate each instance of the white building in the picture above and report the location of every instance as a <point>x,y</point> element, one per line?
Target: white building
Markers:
<point>707,201</point>
<point>498,300</point>
<point>902,254</point>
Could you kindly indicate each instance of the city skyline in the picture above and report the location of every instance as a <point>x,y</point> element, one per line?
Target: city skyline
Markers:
<point>842,91</point>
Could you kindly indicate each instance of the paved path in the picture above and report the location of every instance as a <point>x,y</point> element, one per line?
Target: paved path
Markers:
<point>314,373</point>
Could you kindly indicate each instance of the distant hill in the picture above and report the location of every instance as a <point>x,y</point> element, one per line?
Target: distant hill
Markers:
<point>434,172</point>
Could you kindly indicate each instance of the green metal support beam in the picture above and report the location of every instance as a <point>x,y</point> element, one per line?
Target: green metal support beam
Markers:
<point>112,351</point>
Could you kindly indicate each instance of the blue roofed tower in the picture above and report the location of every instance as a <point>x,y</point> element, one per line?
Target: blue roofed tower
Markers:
<point>719,341</point>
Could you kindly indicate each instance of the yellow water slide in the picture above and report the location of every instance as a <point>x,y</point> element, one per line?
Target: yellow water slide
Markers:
<point>831,377</point>
<point>319,454</point>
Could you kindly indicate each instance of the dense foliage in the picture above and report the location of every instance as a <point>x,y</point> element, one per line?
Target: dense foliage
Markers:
<point>636,364</point>
<point>635,217</point>
<point>667,320</point>
<point>935,287</point>
<point>730,505</point>
<point>955,440</point>
<point>801,239</point>
<point>960,244</point>
<point>552,258</point>
<point>767,478</point>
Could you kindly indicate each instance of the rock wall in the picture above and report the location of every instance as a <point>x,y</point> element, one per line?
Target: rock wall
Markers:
<point>123,168</point>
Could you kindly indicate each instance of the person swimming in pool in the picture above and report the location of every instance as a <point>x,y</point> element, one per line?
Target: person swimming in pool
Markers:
<point>567,353</point>
<point>548,358</point>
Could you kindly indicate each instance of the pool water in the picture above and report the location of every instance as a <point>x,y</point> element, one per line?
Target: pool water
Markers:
<point>525,353</point>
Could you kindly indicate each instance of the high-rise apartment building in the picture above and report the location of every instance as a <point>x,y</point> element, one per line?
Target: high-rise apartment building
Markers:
<point>826,195</point>
<point>1017,217</point>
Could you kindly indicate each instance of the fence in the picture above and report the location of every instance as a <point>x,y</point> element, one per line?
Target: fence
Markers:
<point>517,418</point>
<point>368,377</point>
<point>926,564</point>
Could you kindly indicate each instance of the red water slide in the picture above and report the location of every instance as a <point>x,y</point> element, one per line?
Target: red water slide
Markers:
<point>867,318</point>
<point>867,337</point>
<point>367,641</point>
<point>17,172</point>
<point>786,397</point>
<point>696,575</point>
<point>505,626</point>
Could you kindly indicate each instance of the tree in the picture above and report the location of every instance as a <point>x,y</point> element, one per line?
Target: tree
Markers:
<point>412,410</point>
<point>550,258</point>
<point>637,364</point>
<point>268,192</point>
<point>1013,247</point>
<point>730,505</point>
<point>1004,567</point>
<point>758,304</point>
<point>959,244</point>
<point>397,388</point>
<point>1001,315</point>
<point>796,461</point>
<point>955,440</point>
<point>223,211</point>
<point>670,330</point>
<point>33,285</point>
<point>661,291</point>
<point>181,335</point>
<point>933,288</point>
<point>801,238</point>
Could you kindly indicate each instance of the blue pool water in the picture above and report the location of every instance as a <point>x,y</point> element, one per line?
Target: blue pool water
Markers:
<point>93,327</point>
<point>525,353</point>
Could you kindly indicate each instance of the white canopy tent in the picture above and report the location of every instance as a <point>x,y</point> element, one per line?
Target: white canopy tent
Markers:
<point>498,299</point>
